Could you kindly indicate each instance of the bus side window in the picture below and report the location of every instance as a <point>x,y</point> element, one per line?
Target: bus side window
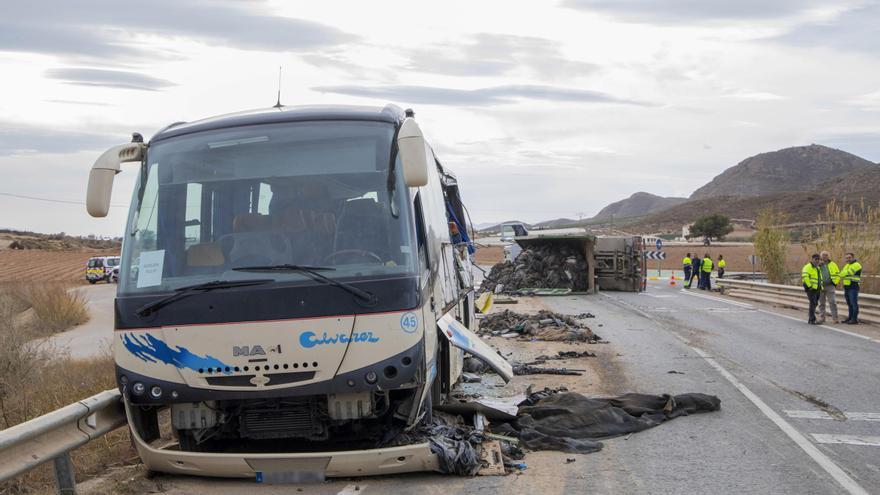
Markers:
<point>420,233</point>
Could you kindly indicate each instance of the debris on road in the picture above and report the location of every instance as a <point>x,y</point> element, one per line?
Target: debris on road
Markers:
<point>471,378</point>
<point>552,266</point>
<point>673,372</point>
<point>526,369</point>
<point>562,355</point>
<point>569,422</point>
<point>545,325</point>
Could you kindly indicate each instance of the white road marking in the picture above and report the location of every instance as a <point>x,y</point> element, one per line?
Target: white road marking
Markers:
<point>735,303</point>
<point>719,299</point>
<point>866,440</point>
<point>839,475</point>
<point>851,416</point>
<point>352,489</point>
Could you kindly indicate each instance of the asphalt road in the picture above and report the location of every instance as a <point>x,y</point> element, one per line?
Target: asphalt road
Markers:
<point>94,337</point>
<point>800,407</point>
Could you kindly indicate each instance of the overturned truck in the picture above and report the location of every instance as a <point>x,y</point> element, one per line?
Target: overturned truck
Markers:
<point>572,261</point>
<point>295,284</point>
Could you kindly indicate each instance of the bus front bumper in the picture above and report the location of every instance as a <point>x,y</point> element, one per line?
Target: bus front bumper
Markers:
<point>309,466</point>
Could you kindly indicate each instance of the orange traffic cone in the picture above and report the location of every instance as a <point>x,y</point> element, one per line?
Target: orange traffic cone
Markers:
<point>672,280</point>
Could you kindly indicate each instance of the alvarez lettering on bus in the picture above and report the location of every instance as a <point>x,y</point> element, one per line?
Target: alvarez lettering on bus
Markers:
<point>309,339</point>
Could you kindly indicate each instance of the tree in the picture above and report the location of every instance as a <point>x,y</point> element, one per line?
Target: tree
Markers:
<point>714,226</point>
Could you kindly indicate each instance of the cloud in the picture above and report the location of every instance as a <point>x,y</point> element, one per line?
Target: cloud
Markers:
<point>108,78</point>
<point>856,30</point>
<point>869,102</point>
<point>755,96</point>
<point>488,54</point>
<point>687,11</point>
<point>17,138</point>
<point>103,29</point>
<point>495,95</point>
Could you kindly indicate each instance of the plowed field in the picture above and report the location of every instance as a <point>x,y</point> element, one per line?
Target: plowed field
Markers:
<point>46,266</point>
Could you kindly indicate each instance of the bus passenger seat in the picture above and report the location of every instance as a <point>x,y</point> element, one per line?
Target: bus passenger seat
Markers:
<point>250,222</point>
<point>204,255</point>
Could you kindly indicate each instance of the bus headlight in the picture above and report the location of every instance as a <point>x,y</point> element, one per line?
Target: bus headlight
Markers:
<point>156,392</point>
<point>138,388</point>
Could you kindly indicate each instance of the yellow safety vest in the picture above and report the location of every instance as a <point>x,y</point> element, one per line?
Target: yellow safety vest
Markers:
<point>834,271</point>
<point>708,264</point>
<point>852,272</point>
<point>810,276</point>
<point>722,263</point>
<point>686,261</point>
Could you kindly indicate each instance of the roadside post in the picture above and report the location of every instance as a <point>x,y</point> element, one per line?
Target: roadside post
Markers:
<point>656,255</point>
<point>659,245</point>
<point>753,260</point>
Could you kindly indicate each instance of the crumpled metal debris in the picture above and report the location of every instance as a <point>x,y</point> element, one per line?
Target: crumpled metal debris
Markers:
<point>543,325</point>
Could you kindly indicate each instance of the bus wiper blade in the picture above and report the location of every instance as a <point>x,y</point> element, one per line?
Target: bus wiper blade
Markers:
<point>282,268</point>
<point>313,272</point>
<point>182,292</point>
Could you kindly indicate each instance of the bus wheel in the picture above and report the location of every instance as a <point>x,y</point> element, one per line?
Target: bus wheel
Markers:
<point>93,282</point>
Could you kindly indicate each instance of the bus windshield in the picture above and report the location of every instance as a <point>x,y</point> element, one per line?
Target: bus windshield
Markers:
<point>314,194</point>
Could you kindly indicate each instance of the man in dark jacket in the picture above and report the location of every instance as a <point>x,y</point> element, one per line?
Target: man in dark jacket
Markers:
<point>695,269</point>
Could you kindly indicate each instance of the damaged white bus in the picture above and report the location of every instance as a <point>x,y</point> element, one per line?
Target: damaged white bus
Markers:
<point>295,287</point>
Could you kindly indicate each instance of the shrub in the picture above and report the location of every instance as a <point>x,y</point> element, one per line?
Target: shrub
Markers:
<point>55,306</point>
<point>850,229</point>
<point>771,244</point>
<point>33,383</point>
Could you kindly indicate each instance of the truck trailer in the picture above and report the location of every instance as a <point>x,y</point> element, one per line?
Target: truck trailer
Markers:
<point>290,294</point>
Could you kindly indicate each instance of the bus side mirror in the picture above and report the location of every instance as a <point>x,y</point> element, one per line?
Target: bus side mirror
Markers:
<point>104,171</point>
<point>413,153</point>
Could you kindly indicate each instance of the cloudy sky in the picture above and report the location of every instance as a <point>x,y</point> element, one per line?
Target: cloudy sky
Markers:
<point>544,109</point>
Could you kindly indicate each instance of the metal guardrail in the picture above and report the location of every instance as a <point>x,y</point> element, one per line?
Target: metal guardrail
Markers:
<point>52,436</point>
<point>794,297</point>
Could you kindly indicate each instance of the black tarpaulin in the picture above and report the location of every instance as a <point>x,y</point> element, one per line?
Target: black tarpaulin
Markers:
<point>570,422</point>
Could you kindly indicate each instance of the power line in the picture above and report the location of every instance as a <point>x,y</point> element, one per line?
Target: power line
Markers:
<point>52,200</point>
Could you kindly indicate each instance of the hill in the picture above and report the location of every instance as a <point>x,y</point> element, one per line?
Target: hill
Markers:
<point>801,168</point>
<point>25,240</point>
<point>637,205</point>
<point>552,224</point>
<point>805,206</point>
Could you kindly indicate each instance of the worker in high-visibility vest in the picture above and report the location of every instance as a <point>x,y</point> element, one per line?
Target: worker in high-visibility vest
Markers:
<point>721,265</point>
<point>686,265</point>
<point>830,274</point>
<point>812,285</point>
<point>706,272</point>
<point>852,280</point>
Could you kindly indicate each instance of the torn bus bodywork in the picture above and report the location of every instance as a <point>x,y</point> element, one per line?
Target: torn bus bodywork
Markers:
<point>283,275</point>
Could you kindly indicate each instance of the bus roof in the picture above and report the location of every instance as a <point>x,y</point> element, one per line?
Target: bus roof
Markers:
<point>389,113</point>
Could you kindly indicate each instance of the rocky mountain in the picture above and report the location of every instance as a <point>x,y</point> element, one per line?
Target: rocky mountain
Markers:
<point>800,168</point>
<point>637,205</point>
<point>850,189</point>
<point>557,222</point>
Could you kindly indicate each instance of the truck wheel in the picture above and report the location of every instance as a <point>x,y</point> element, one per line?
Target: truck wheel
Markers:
<point>93,282</point>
